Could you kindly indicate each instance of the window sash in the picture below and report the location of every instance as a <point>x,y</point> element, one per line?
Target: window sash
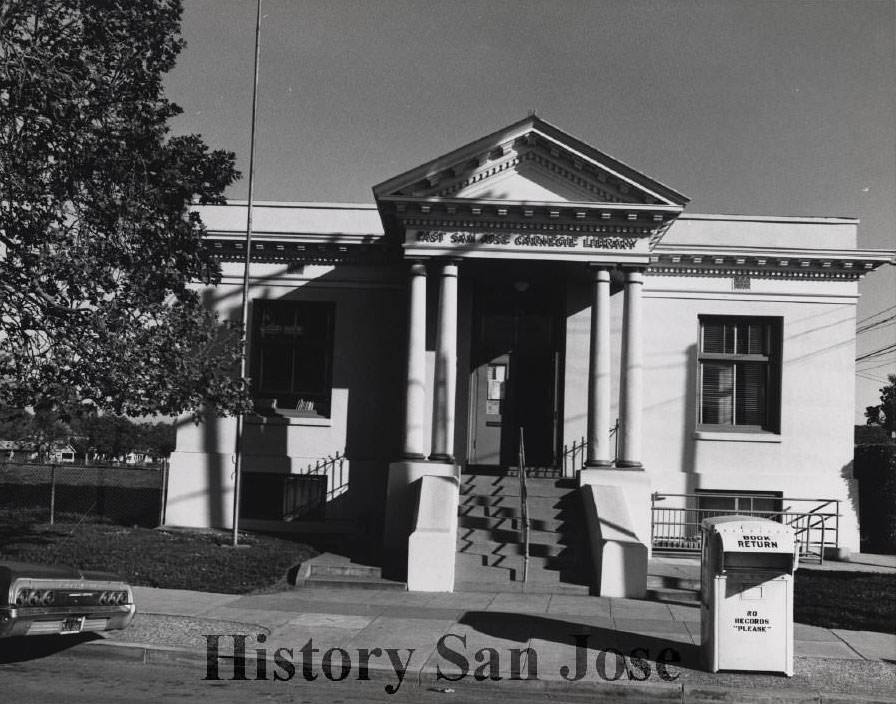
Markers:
<point>292,350</point>
<point>737,373</point>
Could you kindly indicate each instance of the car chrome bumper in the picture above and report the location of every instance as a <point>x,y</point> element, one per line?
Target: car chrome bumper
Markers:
<point>47,620</point>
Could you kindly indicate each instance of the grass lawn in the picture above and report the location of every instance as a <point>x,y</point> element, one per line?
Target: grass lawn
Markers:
<point>860,601</point>
<point>200,560</point>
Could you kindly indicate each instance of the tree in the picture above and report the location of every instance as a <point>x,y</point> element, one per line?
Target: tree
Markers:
<point>884,414</point>
<point>15,424</point>
<point>98,247</point>
<point>159,438</point>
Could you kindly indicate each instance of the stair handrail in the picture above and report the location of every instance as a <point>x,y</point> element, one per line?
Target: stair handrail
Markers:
<point>524,505</point>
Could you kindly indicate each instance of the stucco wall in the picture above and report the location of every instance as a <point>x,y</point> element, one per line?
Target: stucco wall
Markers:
<point>368,366</point>
<point>811,456</point>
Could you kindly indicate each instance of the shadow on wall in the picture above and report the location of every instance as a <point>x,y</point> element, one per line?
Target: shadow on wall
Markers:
<point>689,421</point>
<point>852,487</point>
<point>366,369</point>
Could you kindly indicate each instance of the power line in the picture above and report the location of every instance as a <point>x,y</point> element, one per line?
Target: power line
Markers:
<point>874,315</point>
<point>879,365</point>
<point>869,377</point>
<point>876,325</point>
<point>877,353</point>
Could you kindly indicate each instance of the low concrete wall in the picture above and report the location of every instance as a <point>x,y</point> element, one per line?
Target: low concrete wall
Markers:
<point>432,546</point>
<point>618,556</point>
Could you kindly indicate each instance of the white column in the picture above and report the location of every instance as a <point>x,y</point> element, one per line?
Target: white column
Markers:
<point>599,372</point>
<point>632,372</point>
<point>415,391</point>
<point>446,367</point>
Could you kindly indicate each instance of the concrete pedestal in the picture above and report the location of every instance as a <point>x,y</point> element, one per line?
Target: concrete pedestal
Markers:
<point>617,506</point>
<point>400,500</point>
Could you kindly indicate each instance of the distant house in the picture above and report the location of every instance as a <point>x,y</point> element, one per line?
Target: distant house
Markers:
<point>18,451</point>
<point>137,457</point>
<point>63,453</point>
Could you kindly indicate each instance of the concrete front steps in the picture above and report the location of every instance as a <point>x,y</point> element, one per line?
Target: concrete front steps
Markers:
<point>490,552</point>
<point>339,572</point>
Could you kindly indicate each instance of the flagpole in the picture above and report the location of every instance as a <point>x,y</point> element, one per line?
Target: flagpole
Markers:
<point>244,318</point>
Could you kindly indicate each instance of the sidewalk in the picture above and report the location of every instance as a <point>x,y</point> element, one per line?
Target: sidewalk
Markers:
<point>177,626</point>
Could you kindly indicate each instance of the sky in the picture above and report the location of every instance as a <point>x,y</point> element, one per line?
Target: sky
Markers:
<point>754,107</point>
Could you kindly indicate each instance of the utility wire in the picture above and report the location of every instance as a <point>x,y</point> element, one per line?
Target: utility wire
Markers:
<point>878,324</point>
<point>877,353</point>
<point>880,366</point>
<point>874,315</point>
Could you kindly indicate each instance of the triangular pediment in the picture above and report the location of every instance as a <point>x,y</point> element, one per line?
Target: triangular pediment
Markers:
<point>530,161</point>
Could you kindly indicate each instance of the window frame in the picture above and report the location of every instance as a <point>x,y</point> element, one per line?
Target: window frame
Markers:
<point>268,404</point>
<point>771,359</point>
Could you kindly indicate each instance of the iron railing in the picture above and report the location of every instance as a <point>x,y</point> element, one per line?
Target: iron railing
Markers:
<point>575,454</point>
<point>306,495</point>
<point>524,507</point>
<point>676,529</point>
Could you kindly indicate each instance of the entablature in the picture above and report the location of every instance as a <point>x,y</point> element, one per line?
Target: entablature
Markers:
<point>780,263</point>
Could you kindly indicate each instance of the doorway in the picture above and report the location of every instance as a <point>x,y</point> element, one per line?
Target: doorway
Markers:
<point>515,372</point>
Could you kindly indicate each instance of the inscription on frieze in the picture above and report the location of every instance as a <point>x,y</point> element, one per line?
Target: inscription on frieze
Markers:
<point>466,239</point>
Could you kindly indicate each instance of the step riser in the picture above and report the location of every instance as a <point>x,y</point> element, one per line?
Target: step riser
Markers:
<point>354,584</point>
<point>513,524</point>
<point>356,571</point>
<point>553,563</point>
<point>662,582</point>
<point>500,536</point>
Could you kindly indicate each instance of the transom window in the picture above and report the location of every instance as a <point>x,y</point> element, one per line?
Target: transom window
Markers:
<point>292,351</point>
<point>740,373</point>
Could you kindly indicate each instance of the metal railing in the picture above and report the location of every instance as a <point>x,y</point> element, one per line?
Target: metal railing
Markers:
<point>306,495</point>
<point>676,529</point>
<point>524,506</point>
<point>576,453</point>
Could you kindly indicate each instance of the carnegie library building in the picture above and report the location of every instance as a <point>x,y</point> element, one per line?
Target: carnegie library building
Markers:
<point>529,301</point>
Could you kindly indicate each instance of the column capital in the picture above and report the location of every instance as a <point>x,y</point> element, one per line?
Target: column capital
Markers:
<point>449,267</point>
<point>418,267</point>
<point>601,271</point>
<point>633,272</point>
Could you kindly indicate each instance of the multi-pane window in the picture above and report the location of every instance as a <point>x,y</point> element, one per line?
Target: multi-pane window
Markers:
<point>740,372</point>
<point>292,352</point>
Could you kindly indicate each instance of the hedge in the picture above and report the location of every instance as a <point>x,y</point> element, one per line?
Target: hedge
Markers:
<point>875,468</point>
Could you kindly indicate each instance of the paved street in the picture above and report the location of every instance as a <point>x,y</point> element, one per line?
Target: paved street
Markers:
<point>57,678</point>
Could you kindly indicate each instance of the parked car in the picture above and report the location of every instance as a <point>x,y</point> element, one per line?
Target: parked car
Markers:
<point>41,600</point>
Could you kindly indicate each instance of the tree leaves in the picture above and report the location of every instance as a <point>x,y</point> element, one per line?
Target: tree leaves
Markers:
<point>99,252</point>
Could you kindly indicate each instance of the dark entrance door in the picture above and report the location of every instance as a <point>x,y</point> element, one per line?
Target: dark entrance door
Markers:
<point>515,373</point>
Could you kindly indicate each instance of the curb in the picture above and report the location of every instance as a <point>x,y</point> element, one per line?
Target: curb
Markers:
<point>424,678</point>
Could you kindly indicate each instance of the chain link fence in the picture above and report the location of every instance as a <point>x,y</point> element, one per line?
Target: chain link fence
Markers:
<point>63,492</point>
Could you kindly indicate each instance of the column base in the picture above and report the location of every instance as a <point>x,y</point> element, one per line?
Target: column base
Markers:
<point>598,463</point>
<point>441,457</point>
<point>413,456</point>
<point>629,464</point>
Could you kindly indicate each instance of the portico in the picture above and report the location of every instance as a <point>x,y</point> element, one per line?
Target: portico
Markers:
<point>508,208</point>
<point>533,194</point>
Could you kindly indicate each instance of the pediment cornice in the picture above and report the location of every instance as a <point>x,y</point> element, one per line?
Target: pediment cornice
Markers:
<point>536,146</point>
